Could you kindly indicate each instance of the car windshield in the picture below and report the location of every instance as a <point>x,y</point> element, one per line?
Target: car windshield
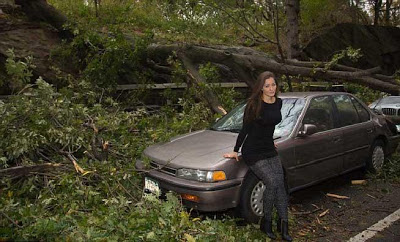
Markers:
<point>391,100</point>
<point>291,109</point>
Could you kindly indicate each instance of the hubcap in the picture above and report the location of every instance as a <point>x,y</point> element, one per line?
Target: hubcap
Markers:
<point>256,199</point>
<point>378,156</point>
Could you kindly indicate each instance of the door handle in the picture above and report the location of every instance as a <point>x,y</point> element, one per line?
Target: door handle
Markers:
<point>370,130</point>
<point>336,139</point>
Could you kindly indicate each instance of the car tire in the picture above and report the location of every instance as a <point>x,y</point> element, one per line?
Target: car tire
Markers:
<point>377,157</point>
<point>250,207</point>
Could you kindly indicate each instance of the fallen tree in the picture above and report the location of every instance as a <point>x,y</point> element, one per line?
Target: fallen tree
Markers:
<point>243,63</point>
<point>247,63</point>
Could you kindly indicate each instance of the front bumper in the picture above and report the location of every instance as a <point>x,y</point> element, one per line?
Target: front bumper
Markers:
<point>215,196</point>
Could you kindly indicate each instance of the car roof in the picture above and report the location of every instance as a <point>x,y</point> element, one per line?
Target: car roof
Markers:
<point>307,94</point>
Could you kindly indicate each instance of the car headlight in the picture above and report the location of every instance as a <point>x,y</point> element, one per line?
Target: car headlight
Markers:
<point>199,175</point>
<point>398,128</point>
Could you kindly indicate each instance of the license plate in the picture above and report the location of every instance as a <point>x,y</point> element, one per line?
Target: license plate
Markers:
<point>151,187</point>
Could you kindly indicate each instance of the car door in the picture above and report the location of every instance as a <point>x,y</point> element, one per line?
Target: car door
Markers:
<point>318,156</point>
<point>357,127</point>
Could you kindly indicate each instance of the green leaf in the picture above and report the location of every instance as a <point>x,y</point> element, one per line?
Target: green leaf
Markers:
<point>151,235</point>
<point>189,238</point>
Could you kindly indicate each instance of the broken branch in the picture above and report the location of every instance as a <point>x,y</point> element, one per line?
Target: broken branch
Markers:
<point>11,220</point>
<point>71,158</point>
<point>337,196</point>
<point>323,213</point>
<point>359,182</point>
<point>20,171</point>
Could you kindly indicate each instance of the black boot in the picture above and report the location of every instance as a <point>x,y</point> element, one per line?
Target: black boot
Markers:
<point>279,225</point>
<point>266,227</point>
<point>285,230</point>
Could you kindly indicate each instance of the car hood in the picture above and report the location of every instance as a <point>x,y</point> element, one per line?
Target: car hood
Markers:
<point>392,105</point>
<point>198,150</point>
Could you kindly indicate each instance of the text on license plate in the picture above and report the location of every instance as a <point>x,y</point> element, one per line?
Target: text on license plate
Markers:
<point>151,187</point>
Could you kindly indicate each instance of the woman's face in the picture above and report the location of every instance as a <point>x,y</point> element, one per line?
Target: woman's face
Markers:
<point>269,88</point>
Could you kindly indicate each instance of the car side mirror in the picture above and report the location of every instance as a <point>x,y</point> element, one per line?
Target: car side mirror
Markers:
<point>307,130</point>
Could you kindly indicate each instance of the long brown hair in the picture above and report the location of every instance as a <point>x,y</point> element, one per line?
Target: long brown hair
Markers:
<point>253,107</point>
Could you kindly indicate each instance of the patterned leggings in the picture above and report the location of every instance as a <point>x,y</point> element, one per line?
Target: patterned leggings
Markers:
<point>270,172</point>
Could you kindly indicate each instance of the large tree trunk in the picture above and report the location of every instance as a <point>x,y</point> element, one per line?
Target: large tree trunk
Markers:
<point>292,9</point>
<point>377,9</point>
<point>251,62</point>
<point>195,76</point>
<point>388,5</point>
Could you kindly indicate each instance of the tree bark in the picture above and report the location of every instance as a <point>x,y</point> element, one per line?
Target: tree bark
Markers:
<point>377,9</point>
<point>292,9</point>
<point>97,7</point>
<point>387,12</point>
<point>23,171</point>
<point>194,75</point>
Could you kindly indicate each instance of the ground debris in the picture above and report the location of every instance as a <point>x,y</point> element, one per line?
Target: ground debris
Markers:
<point>359,182</point>
<point>307,212</point>
<point>323,213</point>
<point>337,196</point>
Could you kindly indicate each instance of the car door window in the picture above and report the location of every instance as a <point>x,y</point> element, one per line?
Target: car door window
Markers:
<point>362,112</point>
<point>320,113</point>
<point>347,112</point>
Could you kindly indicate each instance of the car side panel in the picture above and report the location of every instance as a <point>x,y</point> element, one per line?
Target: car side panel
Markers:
<point>357,142</point>
<point>318,156</point>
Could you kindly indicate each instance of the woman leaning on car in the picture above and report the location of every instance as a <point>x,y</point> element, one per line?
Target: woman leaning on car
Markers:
<point>262,113</point>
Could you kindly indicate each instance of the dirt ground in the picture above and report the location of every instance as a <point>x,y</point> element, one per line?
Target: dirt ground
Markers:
<point>318,217</point>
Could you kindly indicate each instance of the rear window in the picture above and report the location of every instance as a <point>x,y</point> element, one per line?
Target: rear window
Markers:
<point>348,114</point>
<point>362,112</point>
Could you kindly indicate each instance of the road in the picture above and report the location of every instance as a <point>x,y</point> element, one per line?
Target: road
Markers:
<point>318,217</point>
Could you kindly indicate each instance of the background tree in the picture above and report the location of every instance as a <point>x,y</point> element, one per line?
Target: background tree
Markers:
<point>292,8</point>
<point>388,6</point>
<point>377,5</point>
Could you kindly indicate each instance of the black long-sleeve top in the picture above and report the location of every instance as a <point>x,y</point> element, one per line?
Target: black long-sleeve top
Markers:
<point>257,136</point>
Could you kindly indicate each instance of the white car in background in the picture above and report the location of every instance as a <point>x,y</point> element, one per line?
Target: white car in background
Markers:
<point>388,106</point>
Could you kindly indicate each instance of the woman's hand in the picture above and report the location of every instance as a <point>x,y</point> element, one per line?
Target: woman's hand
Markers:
<point>232,155</point>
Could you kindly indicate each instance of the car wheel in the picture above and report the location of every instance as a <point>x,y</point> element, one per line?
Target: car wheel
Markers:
<point>251,199</point>
<point>377,156</point>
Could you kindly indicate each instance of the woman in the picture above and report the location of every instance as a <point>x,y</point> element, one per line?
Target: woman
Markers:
<point>262,113</point>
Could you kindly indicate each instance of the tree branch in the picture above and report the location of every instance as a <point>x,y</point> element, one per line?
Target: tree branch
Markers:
<point>210,97</point>
<point>241,24</point>
<point>21,171</point>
